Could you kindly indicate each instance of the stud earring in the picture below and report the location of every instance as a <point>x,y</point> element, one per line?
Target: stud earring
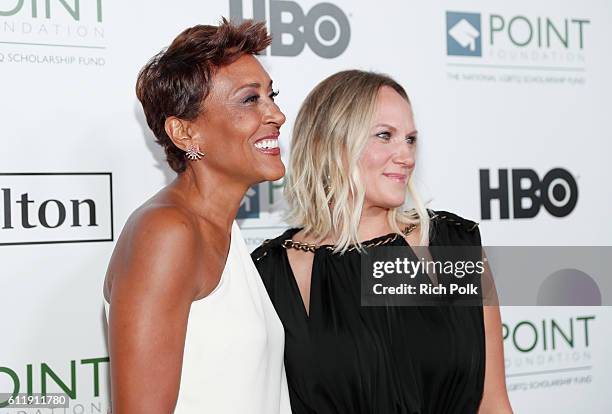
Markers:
<point>328,189</point>
<point>193,152</point>
<point>328,184</point>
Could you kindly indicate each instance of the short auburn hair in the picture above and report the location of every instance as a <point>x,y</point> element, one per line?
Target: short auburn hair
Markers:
<point>176,81</point>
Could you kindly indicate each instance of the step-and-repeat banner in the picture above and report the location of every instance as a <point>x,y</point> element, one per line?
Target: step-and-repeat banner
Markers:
<point>512,101</point>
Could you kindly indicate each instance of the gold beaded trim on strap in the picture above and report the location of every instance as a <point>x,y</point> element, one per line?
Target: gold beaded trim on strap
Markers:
<point>452,220</point>
<point>311,247</point>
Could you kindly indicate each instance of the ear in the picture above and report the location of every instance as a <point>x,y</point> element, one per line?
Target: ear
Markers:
<point>178,131</point>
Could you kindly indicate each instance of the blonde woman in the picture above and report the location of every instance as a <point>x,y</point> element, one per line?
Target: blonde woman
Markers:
<point>352,160</point>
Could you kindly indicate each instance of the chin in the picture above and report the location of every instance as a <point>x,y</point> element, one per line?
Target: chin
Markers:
<point>385,203</point>
<point>273,174</point>
<point>393,199</point>
<point>394,205</point>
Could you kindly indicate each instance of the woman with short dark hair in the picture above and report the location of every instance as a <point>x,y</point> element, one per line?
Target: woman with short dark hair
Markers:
<point>191,328</point>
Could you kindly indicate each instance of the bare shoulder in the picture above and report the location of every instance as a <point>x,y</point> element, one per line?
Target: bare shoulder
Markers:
<point>156,250</point>
<point>153,276</point>
<point>162,223</point>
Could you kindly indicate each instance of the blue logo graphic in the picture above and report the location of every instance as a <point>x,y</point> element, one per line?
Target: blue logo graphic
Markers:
<point>249,206</point>
<point>463,34</point>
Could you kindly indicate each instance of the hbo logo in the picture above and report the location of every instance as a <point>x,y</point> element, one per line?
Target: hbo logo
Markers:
<point>557,192</point>
<point>325,28</point>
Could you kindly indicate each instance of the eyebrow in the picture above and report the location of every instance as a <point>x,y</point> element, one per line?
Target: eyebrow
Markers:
<point>414,132</point>
<point>252,85</point>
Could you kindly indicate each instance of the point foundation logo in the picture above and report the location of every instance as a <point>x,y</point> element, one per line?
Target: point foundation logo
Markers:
<point>261,198</point>
<point>51,19</point>
<point>49,8</point>
<point>463,34</point>
<point>80,380</point>
<point>324,28</point>
<point>52,32</point>
<point>517,41</point>
<point>249,206</point>
<point>549,352</point>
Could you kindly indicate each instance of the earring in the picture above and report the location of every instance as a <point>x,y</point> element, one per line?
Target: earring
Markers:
<point>327,184</point>
<point>328,188</point>
<point>193,152</point>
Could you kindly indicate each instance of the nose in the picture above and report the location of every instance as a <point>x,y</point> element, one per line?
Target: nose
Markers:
<point>274,115</point>
<point>404,154</point>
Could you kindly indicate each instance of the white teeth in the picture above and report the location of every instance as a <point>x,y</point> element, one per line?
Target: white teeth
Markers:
<point>267,144</point>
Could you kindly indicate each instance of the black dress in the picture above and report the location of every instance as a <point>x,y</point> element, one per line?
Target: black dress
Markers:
<point>348,359</point>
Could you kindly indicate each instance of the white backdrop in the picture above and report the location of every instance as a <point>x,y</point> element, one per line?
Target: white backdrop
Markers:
<point>495,86</point>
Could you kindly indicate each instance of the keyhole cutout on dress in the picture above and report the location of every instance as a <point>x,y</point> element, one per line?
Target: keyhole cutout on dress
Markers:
<point>412,240</point>
<point>301,267</point>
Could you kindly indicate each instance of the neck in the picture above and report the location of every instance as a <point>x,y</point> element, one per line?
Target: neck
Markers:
<point>210,194</point>
<point>372,223</point>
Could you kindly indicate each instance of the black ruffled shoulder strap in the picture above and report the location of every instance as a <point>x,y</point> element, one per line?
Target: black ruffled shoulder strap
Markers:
<point>269,244</point>
<point>452,219</point>
<point>451,229</point>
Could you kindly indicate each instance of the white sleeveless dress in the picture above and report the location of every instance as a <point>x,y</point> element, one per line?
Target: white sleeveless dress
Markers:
<point>233,359</point>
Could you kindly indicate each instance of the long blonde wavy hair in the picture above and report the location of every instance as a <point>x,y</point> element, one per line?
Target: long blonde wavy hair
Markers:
<point>324,189</point>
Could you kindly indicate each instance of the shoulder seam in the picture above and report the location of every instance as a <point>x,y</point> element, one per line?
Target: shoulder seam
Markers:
<point>455,220</point>
<point>265,253</point>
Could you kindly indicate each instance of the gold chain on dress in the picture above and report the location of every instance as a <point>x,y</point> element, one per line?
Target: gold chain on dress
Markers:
<point>311,247</point>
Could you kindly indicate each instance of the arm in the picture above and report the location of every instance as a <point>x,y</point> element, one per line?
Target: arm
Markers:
<point>495,396</point>
<point>153,286</point>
